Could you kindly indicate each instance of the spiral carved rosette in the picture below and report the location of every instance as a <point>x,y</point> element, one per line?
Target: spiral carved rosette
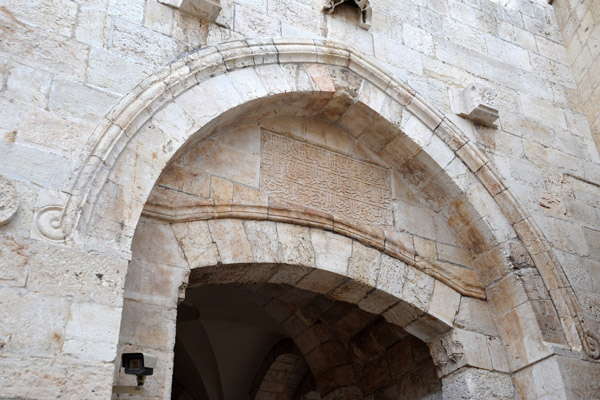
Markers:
<point>592,344</point>
<point>9,203</point>
<point>49,222</point>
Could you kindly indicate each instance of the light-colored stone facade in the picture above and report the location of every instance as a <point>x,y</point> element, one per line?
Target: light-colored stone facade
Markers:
<point>309,156</point>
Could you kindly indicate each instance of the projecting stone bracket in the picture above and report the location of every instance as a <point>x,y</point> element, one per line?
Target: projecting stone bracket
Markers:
<point>459,348</point>
<point>204,9</point>
<point>364,9</point>
<point>476,103</point>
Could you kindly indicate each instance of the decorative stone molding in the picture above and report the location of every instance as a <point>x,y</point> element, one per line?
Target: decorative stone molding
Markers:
<point>476,103</point>
<point>49,222</point>
<point>204,9</point>
<point>460,347</point>
<point>85,186</point>
<point>289,213</point>
<point>9,203</point>
<point>592,346</point>
<point>447,354</point>
<point>364,10</point>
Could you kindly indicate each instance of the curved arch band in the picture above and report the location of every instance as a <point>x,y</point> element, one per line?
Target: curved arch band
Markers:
<point>112,137</point>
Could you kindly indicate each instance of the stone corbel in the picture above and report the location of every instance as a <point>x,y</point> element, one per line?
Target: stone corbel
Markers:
<point>447,354</point>
<point>476,103</point>
<point>364,9</point>
<point>459,348</point>
<point>204,9</point>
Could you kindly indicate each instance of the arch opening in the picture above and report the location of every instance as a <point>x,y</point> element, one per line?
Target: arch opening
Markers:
<point>305,345</point>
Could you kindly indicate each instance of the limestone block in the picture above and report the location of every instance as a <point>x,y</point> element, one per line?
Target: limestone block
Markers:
<point>477,384</point>
<point>262,236</point>
<point>28,85</point>
<point>444,303</point>
<point>30,164</point>
<point>392,276</point>
<point>132,10</point>
<point>251,23</point>
<point>117,74</point>
<point>142,44</point>
<point>155,241</point>
<point>33,324</point>
<point>148,325</point>
<point>541,380</point>
<point>24,378</point>
<point>351,292</point>
<point>15,254</point>
<point>319,281</point>
<point>196,243</point>
<point>418,39</point>
<point>76,100</point>
<point>204,9</point>
<point>414,219</point>
<point>427,328</point>
<point>418,288</point>
<point>475,102</point>
<point>377,301</point>
<point>296,244</point>
<point>206,101</point>
<point>231,162</point>
<point>474,315</point>
<point>49,129</point>
<point>159,17</point>
<point>331,251</point>
<point>154,283</point>
<point>92,332</point>
<point>398,55</point>
<point>300,15</point>
<point>338,29</point>
<point>363,265</point>
<point>231,240</point>
<point>57,16</point>
<point>402,314</point>
<point>81,275</point>
<point>289,274</point>
<point>248,83</point>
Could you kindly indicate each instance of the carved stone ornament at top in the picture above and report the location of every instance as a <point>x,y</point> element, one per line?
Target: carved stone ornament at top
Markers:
<point>207,10</point>
<point>447,354</point>
<point>476,103</point>
<point>9,204</point>
<point>364,10</point>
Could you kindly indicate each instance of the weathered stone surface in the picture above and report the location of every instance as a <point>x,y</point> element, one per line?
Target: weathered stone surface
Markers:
<point>331,251</point>
<point>83,276</point>
<point>231,240</point>
<point>264,241</point>
<point>473,383</point>
<point>92,331</point>
<point>296,244</point>
<point>155,241</point>
<point>26,329</point>
<point>519,201</point>
<point>197,244</point>
<point>444,303</point>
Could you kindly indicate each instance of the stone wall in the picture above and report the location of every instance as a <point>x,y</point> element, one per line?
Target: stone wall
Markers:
<point>579,22</point>
<point>65,64</point>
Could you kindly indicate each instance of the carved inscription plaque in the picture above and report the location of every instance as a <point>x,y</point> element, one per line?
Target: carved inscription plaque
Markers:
<point>324,180</point>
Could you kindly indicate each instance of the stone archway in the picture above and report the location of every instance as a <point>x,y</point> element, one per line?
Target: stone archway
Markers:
<point>239,82</point>
<point>368,285</point>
